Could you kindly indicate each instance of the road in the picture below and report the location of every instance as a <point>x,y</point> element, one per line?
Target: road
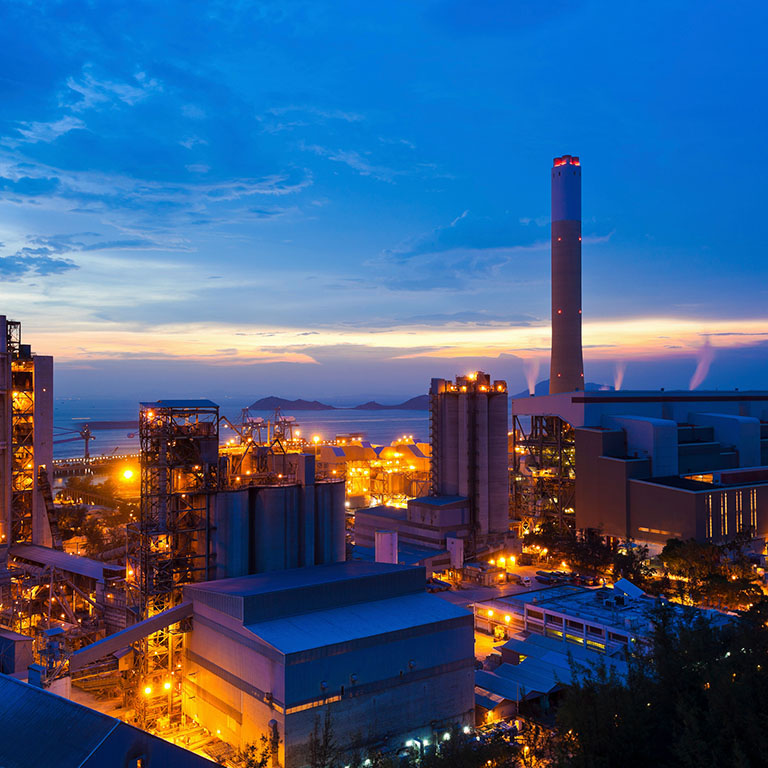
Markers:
<point>485,644</point>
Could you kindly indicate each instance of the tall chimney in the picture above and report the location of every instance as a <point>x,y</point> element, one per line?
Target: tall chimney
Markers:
<point>566,371</point>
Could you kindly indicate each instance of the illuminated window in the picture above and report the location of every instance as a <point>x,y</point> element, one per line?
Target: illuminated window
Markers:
<point>708,504</point>
<point>723,514</point>
<point>753,510</point>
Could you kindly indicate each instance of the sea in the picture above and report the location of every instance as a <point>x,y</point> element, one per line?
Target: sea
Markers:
<point>71,414</point>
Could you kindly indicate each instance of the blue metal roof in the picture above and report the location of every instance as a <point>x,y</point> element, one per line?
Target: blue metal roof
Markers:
<point>318,629</point>
<point>439,501</point>
<point>295,578</point>
<point>39,728</point>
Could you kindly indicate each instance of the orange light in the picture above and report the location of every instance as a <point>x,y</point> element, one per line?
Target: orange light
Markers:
<point>490,612</point>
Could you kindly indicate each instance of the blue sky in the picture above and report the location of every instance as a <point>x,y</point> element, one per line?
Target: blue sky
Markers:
<point>329,198</point>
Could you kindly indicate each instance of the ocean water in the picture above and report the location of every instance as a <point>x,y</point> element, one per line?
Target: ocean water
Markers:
<point>70,414</point>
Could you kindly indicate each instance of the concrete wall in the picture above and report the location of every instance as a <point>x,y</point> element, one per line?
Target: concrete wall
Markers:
<point>232,683</point>
<point>43,384</point>
<point>602,474</point>
<point>469,448</point>
<point>654,439</point>
<point>5,447</point>
<point>739,432</point>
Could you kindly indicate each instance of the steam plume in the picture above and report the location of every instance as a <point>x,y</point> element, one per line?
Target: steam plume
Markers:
<point>618,375</point>
<point>704,356</point>
<point>531,368</point>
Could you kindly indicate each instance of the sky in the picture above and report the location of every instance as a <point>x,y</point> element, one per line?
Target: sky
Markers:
<point>342,200</point>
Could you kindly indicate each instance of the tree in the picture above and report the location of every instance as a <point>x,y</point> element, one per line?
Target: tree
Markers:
<point>697,696</point>
<point>323,751</point>
<point>258,755</point>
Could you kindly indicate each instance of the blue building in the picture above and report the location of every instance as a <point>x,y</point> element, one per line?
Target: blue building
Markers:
<point>362,643</point>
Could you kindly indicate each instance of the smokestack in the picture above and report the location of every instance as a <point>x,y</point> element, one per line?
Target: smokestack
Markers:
<point>566,371</point>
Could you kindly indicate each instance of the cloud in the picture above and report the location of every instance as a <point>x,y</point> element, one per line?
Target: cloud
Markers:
<point>160,201</point>
<point>33,262</point>
<point>467,230</point>
<point>355,161</point>
<point>33,133</point>
<point>93,92</point>
<point>29,186</point>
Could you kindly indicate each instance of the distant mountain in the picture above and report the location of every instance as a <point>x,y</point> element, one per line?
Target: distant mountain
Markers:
<point>418,403</point>
<point>272,402</point>
<point>542,388</point>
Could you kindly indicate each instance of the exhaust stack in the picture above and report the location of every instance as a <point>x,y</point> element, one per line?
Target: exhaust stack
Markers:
<point>566,372</point>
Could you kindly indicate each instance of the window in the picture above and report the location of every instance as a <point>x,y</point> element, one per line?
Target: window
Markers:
<point>575,625</point>
<point>708,506</point>
<point>723,514</point>
<point>536,615</point>
<point>753,510</point>
<point>618,638</point>
<point>594,630</point>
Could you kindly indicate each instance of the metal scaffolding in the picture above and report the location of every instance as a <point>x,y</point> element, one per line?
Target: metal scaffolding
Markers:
<point>543,482</point>
<point>22,437</point>
<point>170,544</point>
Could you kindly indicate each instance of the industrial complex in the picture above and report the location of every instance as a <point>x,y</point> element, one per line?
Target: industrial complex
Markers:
<point>266,586</point>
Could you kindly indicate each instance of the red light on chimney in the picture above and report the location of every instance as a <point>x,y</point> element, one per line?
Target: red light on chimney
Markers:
<point>575,161</point>
<point>560,161</point>
<point>559,311</point>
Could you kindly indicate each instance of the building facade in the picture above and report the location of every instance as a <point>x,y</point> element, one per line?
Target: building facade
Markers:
<point>361,642</point>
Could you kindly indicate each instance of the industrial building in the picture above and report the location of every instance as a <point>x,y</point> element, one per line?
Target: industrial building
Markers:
<point>651,466</point>
<point>548,629</point>
<point>271,654</point>
<point>26,447</point>
<point>645,466</point>
<point>201,519</point>
<point>468,506</point>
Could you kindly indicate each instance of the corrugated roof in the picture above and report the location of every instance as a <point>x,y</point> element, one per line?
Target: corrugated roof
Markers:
<point>407,554</point>
<point>294,578</point>
<point>41,729</point>
<point>64,561</point>
<point>352,622</point>
<point>439,501</point>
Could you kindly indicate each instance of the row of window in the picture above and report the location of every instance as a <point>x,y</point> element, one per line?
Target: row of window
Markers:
<point>538,616</point>
<point>743,518</point>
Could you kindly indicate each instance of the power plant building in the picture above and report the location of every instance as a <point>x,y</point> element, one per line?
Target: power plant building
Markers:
<point>272,654</point>
<point>469,498</point>
<point>651,466</point>
<point>26,445</point>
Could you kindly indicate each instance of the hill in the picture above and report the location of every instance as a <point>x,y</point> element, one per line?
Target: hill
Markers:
<point>272,402</point>
<point>418,403</point>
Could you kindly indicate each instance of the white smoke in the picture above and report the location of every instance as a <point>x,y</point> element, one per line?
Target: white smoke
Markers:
<point>531,367</point>
<point>618,374</point>
<point>704,357</point>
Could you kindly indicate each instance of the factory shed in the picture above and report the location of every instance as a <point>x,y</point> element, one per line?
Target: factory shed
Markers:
<point>271,654</point>
<point>40,729</point>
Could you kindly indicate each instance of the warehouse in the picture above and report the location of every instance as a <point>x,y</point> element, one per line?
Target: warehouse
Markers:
<point>271,654</point>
